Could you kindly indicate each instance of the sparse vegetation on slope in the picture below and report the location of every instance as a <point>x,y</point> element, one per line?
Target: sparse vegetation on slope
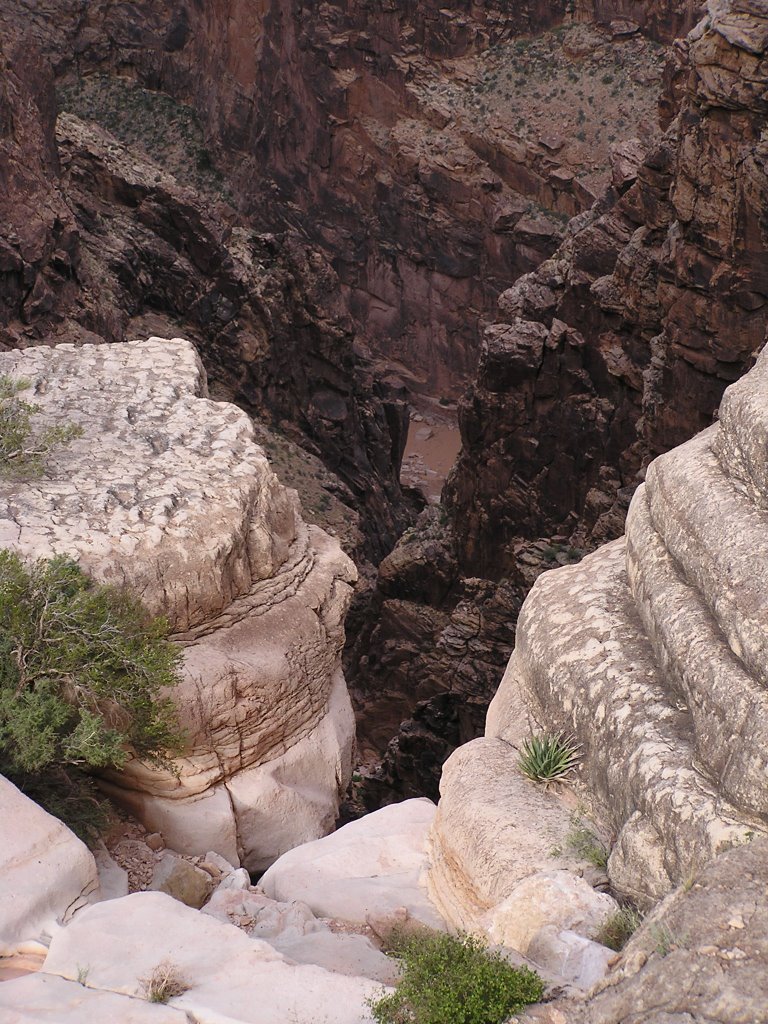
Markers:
<point>24,450</point>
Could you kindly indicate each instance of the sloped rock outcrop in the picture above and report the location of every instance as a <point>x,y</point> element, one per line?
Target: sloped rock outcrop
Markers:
<point>167,493</point>
<point>700,957</point>
<point>650,653</point>
<point>46,873</point>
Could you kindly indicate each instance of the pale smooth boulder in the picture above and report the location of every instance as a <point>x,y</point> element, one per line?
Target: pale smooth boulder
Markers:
<point>548,899</point>
<point>372,868</point>
<point>571,957</point>
<point>46,873</point>
<point>232,977</point>
<point>113,880</point>
<point>493,828</point>
<point>46,999</point>
<point>294,930</point>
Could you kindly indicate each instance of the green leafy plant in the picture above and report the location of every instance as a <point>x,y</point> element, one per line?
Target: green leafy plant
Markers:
<point>450,979</point>
<point>617,930</point>
<point>24,450</point>
<point>163,983</point>
<point>83,668</point>
<point>548,757</point>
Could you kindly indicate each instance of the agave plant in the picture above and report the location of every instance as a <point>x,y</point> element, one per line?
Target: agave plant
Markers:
<point>548,757</point>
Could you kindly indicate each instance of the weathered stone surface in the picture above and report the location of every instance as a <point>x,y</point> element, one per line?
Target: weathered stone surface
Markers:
<point>182,880</point>
<point>656,300</point>
<point>46,873</point>
<point>230,976</point>
<point>167,493</point>
<point>650,652</point>
<point>370,868</point>
<point>113,879</point>
<point>293,929</point>
<point>499,864</point>
<point>699,958</point>
<point>47,999</point>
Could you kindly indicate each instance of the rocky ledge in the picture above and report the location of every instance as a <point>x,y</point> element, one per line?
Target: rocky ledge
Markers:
<point>651,654</point>
<point>167,493</point>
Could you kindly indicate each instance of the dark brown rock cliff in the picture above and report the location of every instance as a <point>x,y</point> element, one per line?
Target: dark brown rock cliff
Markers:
<point>620,346</point>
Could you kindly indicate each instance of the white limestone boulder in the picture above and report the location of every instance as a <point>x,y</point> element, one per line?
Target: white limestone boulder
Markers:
<point>493,828</point>
<point>46,999</point>
<point>371,870</point>
<point>231,977</point>
<point>294,930</point>
<point>46,873</point>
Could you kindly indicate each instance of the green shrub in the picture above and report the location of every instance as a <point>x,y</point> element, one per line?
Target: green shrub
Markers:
<point>23,451</point>
<point>619,928</point>
<point>82,668</point>
<point>454,980</point>
<point>548,757</point>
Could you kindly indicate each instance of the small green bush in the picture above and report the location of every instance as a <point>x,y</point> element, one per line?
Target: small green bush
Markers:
<point>23,451</point>
<point>82,670</point>
<point>548,757</point>
<point>454,980</point>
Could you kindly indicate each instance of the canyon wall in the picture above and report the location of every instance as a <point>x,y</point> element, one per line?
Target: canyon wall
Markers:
<point>614,350</point>
<point>621,345</point>
<point>104,243</point>
<point>166,493</point>
<point>342,123</point>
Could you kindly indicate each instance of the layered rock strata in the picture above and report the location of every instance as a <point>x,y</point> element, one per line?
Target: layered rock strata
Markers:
<point>166,493</point>
<point>649,653</point>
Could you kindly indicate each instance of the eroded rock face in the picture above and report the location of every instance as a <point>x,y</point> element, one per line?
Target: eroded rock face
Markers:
<point>650,652</point>
<point>103,242</point>
<point>167,493</point>
<point>621,345</point>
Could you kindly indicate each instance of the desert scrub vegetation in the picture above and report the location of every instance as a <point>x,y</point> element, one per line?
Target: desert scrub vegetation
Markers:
<point>83,674</point>
<point>449,979</point>
<point>164,982</point>
<point>583,842</point>
<point>548,757</point>
<point>619,928</point>
<point>168,132</point>
<point>24,450</point>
